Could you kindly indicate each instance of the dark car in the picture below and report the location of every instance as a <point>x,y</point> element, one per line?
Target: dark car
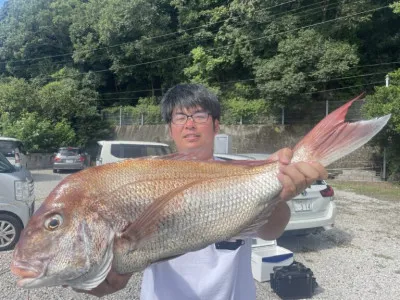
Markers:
<point>70,158</point>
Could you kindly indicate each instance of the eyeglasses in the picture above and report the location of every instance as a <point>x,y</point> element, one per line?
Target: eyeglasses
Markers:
<point>181,119</point>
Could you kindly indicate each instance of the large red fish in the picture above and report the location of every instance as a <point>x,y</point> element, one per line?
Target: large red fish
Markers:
<point>137,212</point>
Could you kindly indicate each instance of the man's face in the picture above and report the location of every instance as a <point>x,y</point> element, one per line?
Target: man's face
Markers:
<point>192,135</point>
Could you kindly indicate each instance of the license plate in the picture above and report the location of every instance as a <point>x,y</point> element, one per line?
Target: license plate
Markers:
<point>69,161</point>
<point>302,205</point>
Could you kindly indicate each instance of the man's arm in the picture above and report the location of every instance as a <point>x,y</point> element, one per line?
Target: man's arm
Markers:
<point>113,283</point>
<point>294,178</point>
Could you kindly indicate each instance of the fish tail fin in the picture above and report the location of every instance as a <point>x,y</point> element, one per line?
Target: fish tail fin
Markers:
<point>332,138</point>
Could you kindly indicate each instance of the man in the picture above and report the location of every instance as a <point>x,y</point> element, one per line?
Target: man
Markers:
<point>222,270</point>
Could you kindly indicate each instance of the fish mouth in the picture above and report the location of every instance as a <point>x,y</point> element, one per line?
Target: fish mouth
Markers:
<point>27,272</point>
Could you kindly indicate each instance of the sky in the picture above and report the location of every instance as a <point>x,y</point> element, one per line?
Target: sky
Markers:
<point>1,2</point>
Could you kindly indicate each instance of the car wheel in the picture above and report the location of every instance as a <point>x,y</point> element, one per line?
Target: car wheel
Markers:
<point>10,230</point>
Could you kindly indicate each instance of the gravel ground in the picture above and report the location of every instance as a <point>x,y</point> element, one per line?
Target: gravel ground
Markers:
<point>359,259</point>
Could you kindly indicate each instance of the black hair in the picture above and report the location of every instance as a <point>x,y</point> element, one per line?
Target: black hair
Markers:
<point>189,96</point>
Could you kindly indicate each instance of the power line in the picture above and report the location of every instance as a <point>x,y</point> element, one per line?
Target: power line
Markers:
<point>220,47</point>
<point>196,39</point>
<point>186,55</point>
<point>343,88</point>
<point>173,43</point>
<point>320,91</point>
<point>303,27</point>
<point>378,64</point>
<point>177,44</point>
<point>246,80</point>
<point>145,38</point>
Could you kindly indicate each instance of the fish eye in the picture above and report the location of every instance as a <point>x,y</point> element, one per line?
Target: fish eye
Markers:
<point>53,222</point>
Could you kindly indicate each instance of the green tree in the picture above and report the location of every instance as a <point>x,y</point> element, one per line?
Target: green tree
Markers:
<point>69,96</point>
<point>73,97</point>
<point>304,63</point>
<point>35,37</point>
<point>386,100</point>
<point>17,96</point>
<point>38,133</point>
<point>119,38</point>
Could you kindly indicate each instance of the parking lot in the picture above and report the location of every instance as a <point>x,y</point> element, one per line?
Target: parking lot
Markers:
<point>358,259</point>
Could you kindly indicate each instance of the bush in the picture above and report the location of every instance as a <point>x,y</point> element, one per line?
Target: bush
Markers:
<point>38,134</point>
<point>148,108</point>
<point>239,110</point>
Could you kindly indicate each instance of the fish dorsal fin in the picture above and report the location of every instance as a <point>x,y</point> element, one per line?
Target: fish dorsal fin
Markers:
<point>193,155</point>
<point>197,156</point>
<point>146,224</point>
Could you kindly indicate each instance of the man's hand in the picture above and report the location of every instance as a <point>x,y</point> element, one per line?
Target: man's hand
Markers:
<point>113,283</point>
<point>294,178</point>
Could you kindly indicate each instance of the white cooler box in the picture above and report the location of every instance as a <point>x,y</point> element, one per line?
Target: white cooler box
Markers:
<point>266,255</point>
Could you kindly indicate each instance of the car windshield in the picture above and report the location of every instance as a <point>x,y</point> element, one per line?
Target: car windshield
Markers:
<point>68,152</point>
<point>7,148</point>
<point>5,166</point>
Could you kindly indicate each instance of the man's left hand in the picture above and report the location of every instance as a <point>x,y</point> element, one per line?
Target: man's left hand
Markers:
<point>296,177</point>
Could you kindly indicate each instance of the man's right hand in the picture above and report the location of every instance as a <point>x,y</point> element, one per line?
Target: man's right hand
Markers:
<point>113,283</point>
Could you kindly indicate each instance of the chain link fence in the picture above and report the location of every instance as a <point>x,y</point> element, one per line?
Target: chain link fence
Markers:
<point>122,118</point>
<point>311,115</point>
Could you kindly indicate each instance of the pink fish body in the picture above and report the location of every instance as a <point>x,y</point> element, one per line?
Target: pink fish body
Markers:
<point>137,212</point>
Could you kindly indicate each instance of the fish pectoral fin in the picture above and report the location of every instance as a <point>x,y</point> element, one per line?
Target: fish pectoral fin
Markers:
<point>147,223</point>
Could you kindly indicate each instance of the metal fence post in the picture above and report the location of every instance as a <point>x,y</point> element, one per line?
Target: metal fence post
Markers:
<point>327,108</point>
<point>120,116</point>
<point>384,149</point>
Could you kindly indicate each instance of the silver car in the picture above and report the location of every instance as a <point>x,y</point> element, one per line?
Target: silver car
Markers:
<point>70,158</point>
<point>17,202</point>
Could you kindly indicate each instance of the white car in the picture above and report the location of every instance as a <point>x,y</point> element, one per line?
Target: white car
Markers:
<point>113,151</point>
<point>311,211</point>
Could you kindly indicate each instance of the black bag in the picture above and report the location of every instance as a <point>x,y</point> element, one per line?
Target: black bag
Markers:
<point>293,282</point>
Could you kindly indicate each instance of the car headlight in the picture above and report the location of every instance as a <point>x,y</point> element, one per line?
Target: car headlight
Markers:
<point>21,190</point>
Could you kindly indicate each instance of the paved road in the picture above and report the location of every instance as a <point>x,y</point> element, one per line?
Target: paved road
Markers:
<point>359,259</point>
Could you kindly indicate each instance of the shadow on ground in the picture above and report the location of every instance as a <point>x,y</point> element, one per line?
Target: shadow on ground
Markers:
<point>314,242</point>
<point>40,177</point>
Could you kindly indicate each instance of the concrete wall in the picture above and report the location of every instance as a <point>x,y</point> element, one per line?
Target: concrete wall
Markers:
<point>40,161</point>
<point>254,138</point>
<point>245,139</point>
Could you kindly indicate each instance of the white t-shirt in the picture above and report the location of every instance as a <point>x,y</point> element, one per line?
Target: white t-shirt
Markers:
<point>207,274</point>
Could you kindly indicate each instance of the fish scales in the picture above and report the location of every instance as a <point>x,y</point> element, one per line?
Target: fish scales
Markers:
<point>225,212</point>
